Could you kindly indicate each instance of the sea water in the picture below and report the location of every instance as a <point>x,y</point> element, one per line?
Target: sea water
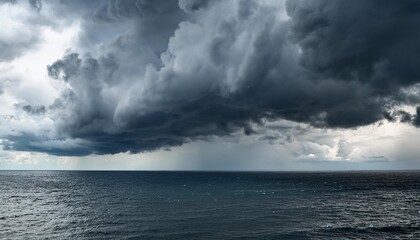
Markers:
<point>209,205</point>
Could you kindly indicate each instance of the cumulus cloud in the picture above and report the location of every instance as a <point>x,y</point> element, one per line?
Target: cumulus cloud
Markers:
<point>147,75</point>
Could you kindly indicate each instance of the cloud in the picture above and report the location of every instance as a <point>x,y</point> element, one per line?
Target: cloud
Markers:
<point>15,37</point>
<point>193,5</point>
<point>33,110</point>
<point>36,4</point>
<point>65,68</point>
<point>416,120</point>
<point>147,75</point>
<point>372,42</point>
<point>344,149</point>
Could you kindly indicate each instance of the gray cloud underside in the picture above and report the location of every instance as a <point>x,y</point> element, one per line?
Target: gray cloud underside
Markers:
<point>157,74</point>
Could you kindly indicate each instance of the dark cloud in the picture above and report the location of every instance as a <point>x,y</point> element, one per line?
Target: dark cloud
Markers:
<point>65,68</point>
<point>193,5</point>
<point>155,74</point>
<point>374,42</point>
<point>416,120</point>
<point>404,117</point>
<point>369,42</point>
<point>33,110</point>
<point>59,147</point>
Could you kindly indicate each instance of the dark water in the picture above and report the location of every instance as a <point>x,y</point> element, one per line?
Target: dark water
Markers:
<point>182,205</point>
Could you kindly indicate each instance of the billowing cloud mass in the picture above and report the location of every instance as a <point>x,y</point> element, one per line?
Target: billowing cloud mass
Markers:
<point>144,75</point>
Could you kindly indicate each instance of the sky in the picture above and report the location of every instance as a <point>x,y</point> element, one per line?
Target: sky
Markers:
<point>267,85</point>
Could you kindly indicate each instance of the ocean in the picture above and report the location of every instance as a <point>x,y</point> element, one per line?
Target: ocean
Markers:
<point>209,205</point>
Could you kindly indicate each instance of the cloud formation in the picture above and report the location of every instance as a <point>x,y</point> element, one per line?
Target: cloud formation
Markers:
<point>146,75</point>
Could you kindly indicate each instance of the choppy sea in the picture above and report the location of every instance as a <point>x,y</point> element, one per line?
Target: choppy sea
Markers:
<point>209,205</point>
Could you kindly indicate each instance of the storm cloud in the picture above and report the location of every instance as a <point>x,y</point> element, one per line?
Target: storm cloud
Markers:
<point>147,75</point>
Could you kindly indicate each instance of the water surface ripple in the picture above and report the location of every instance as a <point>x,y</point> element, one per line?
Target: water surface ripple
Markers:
<point>205,205</point>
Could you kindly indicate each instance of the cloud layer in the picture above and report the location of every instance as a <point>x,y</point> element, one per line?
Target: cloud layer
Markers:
<point>147,75</point>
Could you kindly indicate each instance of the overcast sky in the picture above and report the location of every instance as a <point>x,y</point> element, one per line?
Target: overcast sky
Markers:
<point>210,85</point>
